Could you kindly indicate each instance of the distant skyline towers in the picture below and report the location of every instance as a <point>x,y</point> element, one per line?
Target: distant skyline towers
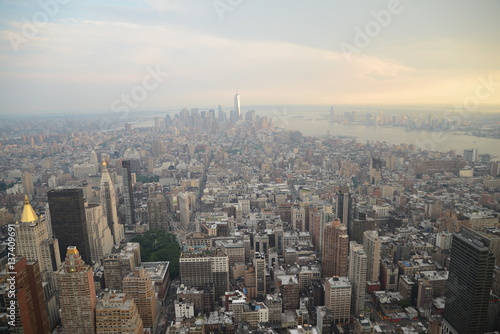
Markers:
<point>468,287</point>
<point>69,223</point>
<point>332,114</point>
<point>128,197</point>
<point>237,106</point>
<point>108,204</point>
<point>77,294</point>
<point>235,114</point>
<point>470,155</point>
<point>335,250</point>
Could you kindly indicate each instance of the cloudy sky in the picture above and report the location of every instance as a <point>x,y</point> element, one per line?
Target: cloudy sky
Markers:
<point>93,55</point>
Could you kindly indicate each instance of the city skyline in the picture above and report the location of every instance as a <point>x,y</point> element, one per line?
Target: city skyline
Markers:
<point>87,56</point>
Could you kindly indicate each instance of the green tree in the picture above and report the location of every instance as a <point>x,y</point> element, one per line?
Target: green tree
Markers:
<point>160,246</point>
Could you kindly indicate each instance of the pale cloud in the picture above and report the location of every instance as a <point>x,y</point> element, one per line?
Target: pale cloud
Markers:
<point>86,64</point>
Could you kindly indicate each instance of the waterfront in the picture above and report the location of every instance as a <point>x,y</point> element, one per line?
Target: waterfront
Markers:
<point>316,123</point>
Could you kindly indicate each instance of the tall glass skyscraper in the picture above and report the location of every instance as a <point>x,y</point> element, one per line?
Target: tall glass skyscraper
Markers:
<point>468,287</point>
<point>69,223</point>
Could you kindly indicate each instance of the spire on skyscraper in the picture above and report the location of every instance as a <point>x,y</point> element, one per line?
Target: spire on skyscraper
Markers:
<point>29,214</point>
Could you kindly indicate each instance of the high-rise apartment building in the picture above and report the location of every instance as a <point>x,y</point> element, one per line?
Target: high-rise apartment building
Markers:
<point>157,212</point>
<point>140,288</point>
<point>27,180</point>
<point>128,197</point>
<point>200,268</point>
<point>338,298</point>
<point>117,313</point>
<point>468,287</point>
<point>69,224</point>
<point>118,265</point>
<point>335,250</point>
<point>371,245</point>
<point>77,294</point>
<point>108,203</point>
<point>357,276</point>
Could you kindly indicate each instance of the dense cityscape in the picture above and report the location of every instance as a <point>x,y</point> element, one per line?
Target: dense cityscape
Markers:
<point>228,221</point>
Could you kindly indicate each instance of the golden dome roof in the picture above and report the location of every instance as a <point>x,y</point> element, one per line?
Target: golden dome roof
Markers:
<point>29,214</point>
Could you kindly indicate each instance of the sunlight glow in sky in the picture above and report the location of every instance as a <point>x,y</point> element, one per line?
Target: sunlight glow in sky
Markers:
<point>70,55</point>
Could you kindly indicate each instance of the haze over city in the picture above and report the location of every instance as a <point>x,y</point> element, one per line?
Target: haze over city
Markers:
<point>73,56</point>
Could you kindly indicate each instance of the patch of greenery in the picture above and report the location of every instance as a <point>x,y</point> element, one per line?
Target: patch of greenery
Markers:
<point>4,186</point>
<point>148,179</point>
<point>160,246</point>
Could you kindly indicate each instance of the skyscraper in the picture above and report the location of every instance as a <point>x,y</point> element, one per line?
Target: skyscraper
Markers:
<point>237,107</point>
<point>343,208</point>
<point>67,214</point>
<point>77,294</point>
<point>185,202</point>
<point>36,244</point>
<point>138,286</point>
<point>128,197</point>
<point>335,250</point>
<point>31,308</point>
<point>357,276</point>
<point>371,245</point>
<point>260,274</point>
<point>468,287</point>
<point>108,203</point>
<point>100,238</point>
<point>27,180</point>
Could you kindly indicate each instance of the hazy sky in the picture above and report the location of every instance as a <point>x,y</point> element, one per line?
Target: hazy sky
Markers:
<point>92,54</point>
